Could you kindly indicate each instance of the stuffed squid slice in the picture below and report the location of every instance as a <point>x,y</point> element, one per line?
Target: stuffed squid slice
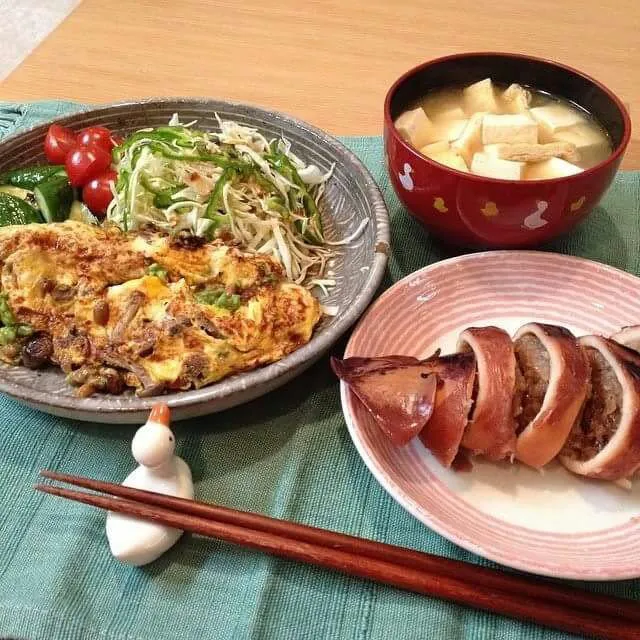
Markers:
<point>442,435</point>
<point>628,337</point>
<point>492,426</point>
<point>605,443</point>
<point>557,378</point>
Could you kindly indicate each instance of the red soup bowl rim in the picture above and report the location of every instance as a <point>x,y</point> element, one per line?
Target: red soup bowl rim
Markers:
<point>614,157</point>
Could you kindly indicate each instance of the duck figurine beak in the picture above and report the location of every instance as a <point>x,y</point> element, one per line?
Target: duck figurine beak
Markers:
<point>160,413</point>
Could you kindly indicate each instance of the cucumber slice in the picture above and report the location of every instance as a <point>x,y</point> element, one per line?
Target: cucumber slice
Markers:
<point>16,211</point>
<point>80,213</point>
<point>29,177</point>
<point>54,197</point>
<point>23,194</point>
<point>18,192</point>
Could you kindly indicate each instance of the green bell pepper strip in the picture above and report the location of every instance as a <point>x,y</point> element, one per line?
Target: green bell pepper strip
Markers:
<point>158,271</point>
<point>230,302</point>
<point>159,141</point>
<point>145,181</point>
<point>163,199</point>
<point>208,296</point>
<point>215,198</point>
<point>161,148</point>
<point>313,230</point>
<point>215,204</point>
<point>165,151</point>
<point>162,134</point>
<point>276,203</point>
<point>262,181</point>
<point>233,172</point>
<point>219,298</point>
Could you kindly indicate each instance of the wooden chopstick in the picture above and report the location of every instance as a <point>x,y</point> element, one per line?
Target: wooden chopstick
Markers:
<point>488,578</point>
<point>612,620</point>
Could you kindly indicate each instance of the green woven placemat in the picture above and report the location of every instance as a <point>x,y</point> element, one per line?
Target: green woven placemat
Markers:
<point>287,454</point>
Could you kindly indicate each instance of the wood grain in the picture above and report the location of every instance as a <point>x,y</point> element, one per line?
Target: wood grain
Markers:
<point>327,61</point>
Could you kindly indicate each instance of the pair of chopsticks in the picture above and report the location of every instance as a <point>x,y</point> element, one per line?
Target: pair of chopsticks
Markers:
<point>542,602</point>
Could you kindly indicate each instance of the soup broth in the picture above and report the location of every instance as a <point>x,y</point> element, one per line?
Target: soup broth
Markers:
<point>507,132</point>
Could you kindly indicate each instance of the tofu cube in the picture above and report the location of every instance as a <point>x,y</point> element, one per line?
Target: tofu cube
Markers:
<point>435,147</point>
<point>591,144</point>
<point>552,168</point>
<point>492,150</point>
<point>444,107</point>
<point>515,99</point>
<point>449,130</point>
<point>416,128</point>
<point>509,128</point>
<point>490,167</point>
<point>451,159</point>
<point>455,113</point>
<point>554,118</point>
<point>470,140</point>
<point>480,96</point>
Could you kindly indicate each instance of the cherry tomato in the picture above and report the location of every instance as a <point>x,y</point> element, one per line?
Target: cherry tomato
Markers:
<point>58,142</point>
<point>84,163</point>
<point>97,194</point>
<point>100,136</point>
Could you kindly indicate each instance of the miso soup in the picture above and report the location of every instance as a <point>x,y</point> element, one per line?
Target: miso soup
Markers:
<point>511,133</point>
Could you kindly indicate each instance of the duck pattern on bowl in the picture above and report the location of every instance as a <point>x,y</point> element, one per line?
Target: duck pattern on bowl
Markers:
<point>490,213</point>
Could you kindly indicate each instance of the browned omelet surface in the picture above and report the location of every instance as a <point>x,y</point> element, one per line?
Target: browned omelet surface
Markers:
<point>127,311</point>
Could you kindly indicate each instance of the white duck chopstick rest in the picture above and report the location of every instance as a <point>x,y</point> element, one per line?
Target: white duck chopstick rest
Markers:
<point>137,541</point>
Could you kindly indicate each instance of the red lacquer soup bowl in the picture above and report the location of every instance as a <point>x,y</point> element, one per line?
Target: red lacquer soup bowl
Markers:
<point>470,210</point>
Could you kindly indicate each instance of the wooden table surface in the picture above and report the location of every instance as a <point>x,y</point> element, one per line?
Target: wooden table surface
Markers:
<point>329,62</point>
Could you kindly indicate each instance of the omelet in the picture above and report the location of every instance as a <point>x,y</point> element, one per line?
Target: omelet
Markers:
<point>145,311</point>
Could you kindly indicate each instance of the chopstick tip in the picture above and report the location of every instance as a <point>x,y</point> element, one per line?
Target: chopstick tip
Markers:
<point>46,488</point>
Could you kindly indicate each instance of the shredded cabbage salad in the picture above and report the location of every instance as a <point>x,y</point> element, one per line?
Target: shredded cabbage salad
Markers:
<point>234,184</point>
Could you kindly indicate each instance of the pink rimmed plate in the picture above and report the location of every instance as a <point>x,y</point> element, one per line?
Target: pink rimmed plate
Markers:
<point>552,522</point>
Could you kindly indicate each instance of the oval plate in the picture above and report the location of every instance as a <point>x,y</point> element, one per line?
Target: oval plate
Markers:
<point>552,522</point>
<point>350,197</point>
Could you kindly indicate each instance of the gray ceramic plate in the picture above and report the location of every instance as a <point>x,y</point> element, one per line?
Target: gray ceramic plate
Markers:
<point>351,196</point>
